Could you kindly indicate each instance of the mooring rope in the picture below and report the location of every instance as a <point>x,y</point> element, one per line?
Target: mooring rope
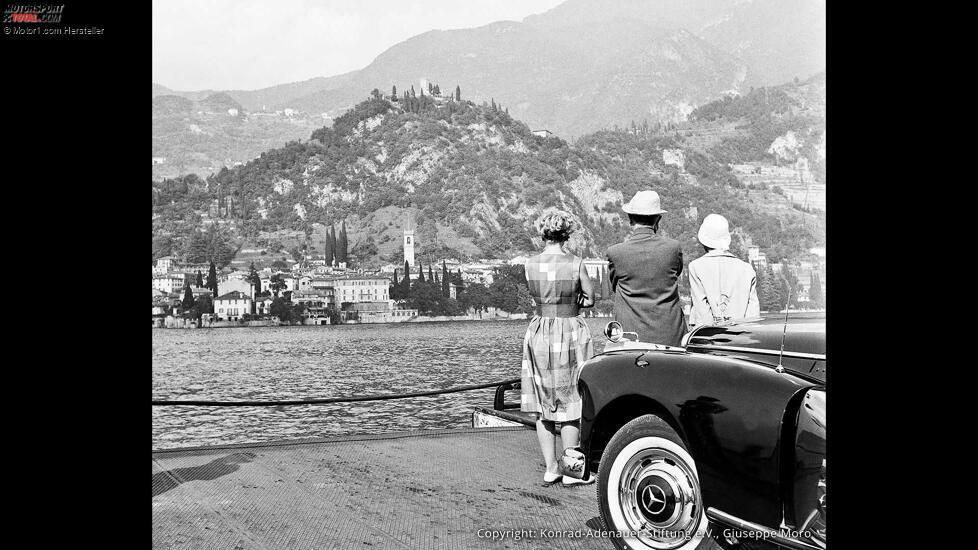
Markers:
<point>198,403</point>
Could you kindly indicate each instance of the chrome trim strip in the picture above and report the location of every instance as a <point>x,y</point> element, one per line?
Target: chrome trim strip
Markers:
<point>760,351</point>
<point>770,534</point>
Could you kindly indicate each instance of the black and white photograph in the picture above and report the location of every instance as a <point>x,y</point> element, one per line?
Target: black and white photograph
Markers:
<point>488,274</point>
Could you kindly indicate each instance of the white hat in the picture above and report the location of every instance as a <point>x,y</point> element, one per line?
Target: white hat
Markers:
<point>644,203</point>
<point>715,232</point>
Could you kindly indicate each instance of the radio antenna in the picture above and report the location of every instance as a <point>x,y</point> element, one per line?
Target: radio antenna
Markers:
<point>780,368</point>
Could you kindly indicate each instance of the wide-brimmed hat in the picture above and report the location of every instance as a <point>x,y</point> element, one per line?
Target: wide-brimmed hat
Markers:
<point>715,232</point>
<point>644,203</point>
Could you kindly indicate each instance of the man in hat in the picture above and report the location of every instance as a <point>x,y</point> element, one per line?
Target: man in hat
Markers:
<point>644,274</point>
<point>722,287</point>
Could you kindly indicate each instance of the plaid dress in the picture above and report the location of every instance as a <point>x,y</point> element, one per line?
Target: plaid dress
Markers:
<point>557,342</point>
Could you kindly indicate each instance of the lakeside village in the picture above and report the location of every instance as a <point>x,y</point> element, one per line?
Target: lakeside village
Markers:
<point>322,291</point>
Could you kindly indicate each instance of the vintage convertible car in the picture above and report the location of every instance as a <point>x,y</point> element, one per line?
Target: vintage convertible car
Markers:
<point>723,437</point>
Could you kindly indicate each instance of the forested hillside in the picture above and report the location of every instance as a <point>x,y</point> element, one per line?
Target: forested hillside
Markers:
<point>471,179</point>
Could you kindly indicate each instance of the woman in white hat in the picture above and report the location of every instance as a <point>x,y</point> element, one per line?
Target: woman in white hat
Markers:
<point>722,287</point>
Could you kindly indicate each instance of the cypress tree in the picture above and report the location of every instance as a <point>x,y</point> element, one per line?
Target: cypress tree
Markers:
<point>815,297</point>
<point>420,272</point>
<point>431,278</point>
<point>341,244</point>
<point>394,92</point>
<point>330,247</point>
<point>394,291</point>
<point>406,283</point>
<point>458,279</point>
<point>200,278</point>
<point>458,93</point>
<point>188,296</point>
<point>444,280</point>
<point>212,279</point>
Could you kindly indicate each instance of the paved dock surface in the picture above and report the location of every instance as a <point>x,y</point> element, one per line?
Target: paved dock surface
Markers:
<point>426,490</point>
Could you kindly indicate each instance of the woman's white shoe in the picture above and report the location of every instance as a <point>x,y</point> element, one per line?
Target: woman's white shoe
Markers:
<point>550,478</point>
<point>568,481</point>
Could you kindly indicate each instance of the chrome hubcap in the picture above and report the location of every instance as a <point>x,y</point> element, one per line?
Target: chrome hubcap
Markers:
<point>660,498</point>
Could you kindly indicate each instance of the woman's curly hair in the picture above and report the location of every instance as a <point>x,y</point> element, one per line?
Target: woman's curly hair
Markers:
<point>556,227</point>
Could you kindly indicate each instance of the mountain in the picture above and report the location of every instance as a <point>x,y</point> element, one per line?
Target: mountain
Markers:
<point>472,180</point>
<point>568,78</point>
<point>254,100</point>
<point>582,66</point>
<point>202,136</point>
<point>778,39</point>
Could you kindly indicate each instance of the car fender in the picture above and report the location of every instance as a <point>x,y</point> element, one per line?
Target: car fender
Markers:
<point>727,411</point>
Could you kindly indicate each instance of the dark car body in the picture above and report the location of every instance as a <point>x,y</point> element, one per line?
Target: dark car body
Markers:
<point>755,430</point>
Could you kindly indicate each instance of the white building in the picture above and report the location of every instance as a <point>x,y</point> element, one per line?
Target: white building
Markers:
<point>168,283</point>
<point>164,265</point>
<point>361,289</point>
<point>543,133</point>
<point>232,112</point>
<point>232,306</point>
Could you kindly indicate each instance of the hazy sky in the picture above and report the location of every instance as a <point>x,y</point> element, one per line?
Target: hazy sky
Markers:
<point>249,44</point>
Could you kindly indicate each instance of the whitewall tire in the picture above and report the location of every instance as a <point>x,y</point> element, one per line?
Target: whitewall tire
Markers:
<point>648,489</point>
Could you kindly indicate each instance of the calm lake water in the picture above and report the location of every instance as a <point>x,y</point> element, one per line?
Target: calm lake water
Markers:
<point>275,363</point>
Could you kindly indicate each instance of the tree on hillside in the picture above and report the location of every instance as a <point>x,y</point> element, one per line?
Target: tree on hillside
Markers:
<point>276,284</point>
<point>421,279</point>
<point>296,254</point>
<point>476,296</point>
<point>393,92</point>
<point>365,250</point>
<point>394,290</point>
<point>199,280</point>
<point>769,289</point>
<point>406,282</point>
<point>815,297</point>
<point>212,279</point>
<point>444,280</point>
<point>459,280</point>
<point>330,251</point>
<point>431,278</point>
<point>188,297</point>
<point>341,244</point>
<point>255,280</point>
<point>458,93</point>
<point>286,311</point>
<point>509,291</point>
<point>789,286</point>
<point>281,264</point>
<point>204,304</point>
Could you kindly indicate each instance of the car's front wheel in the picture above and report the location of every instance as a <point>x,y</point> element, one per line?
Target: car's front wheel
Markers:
<point>648,488</point>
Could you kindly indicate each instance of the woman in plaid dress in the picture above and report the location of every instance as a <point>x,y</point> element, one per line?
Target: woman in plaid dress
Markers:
<point>556,343</point>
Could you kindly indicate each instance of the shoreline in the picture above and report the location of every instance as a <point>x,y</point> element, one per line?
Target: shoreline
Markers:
<point>413,320</point>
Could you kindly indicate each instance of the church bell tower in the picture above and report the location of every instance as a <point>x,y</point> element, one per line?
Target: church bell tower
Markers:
<point>409,246</point>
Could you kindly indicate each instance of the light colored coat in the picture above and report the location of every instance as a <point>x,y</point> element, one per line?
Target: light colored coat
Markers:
<point>722,287</point>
